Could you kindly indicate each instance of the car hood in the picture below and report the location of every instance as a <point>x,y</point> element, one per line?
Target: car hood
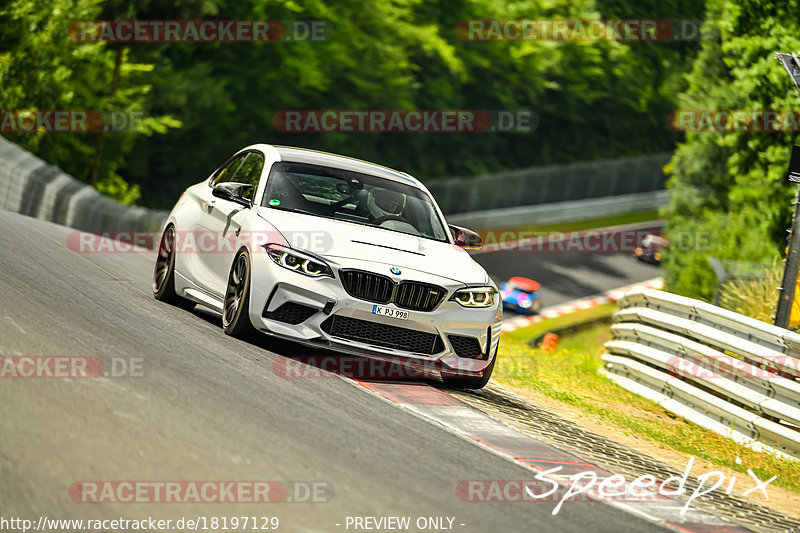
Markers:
<point>336,239</point>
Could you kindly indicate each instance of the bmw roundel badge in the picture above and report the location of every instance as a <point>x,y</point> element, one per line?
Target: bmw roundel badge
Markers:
<point>395,271</point>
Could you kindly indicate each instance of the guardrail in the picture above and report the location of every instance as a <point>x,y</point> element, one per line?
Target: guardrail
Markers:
<point>551,184</point>
<point>30,186</point>
<point>727,372</point>
<point>561,212</point>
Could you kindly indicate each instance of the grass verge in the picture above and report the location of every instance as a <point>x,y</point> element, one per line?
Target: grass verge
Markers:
<point>616,220</point>
<point>569,375</point>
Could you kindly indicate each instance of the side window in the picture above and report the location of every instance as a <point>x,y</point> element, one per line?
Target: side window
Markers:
<point>227,172</point>
<point>250,172</point>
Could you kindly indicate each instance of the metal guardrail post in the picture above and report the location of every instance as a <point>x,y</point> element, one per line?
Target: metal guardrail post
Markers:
<point>790,62</point>
<point>789,281</point>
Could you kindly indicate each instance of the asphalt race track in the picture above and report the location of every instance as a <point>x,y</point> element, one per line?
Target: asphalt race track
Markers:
<point>566,276</point>
<point>210,407</point>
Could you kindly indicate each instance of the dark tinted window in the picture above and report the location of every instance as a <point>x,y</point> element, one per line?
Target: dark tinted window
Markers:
<point>250,172</point>
<point>229,169</point>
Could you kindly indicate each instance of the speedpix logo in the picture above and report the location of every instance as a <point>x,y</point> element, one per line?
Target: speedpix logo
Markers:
<point>587,486</point>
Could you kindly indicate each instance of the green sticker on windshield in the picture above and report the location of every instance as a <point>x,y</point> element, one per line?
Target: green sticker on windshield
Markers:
<point>274,202</point>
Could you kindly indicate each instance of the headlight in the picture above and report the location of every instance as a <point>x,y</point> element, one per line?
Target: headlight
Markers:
<point>475,297</point>
<point>300,262</point>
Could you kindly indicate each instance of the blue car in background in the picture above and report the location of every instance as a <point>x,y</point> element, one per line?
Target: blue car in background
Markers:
<point>521,295</point>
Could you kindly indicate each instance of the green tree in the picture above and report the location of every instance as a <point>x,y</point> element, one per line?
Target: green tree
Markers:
<point>595,99</point>
<point>43,69</point>
<point>731,185</point>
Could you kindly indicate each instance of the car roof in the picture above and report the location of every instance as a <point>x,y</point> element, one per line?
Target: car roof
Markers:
<point>315,157</point>
<point>524,283</point>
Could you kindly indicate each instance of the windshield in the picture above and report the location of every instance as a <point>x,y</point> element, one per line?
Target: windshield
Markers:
<point>353,197</point>
<point>520,289</point>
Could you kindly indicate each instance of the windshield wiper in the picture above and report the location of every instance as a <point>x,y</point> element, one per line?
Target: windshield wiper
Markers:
<point>301,211</point>
<point>304,212</point>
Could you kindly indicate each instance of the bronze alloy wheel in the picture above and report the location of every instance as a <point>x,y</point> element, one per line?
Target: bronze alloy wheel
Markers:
<point>236,307</point>
<point>164,273</point>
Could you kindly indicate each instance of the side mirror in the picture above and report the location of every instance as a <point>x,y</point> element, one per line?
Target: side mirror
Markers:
<point>233,192</point>
<point>466,238</point>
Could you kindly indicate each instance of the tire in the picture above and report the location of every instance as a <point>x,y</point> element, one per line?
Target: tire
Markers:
<point>236,306</point>
<point>456,382</point>
<point>164,272</point>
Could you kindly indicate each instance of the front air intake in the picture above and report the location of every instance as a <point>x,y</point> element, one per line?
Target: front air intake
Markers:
<point>466,346</point>
<point>367,286</point>
<point>290,313</point>
<point>377,334</point>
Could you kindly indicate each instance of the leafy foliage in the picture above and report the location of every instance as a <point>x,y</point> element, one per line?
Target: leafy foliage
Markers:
<point>42,69</point>
<point>732,184</point>
<point>205,100</point>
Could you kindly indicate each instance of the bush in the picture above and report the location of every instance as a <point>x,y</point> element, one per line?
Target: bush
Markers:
<point>756,298</point>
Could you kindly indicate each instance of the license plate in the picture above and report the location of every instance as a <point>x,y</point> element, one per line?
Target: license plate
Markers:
<point>388,311</point>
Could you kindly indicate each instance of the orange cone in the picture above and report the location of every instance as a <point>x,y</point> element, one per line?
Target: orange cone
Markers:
<point>549,342</point>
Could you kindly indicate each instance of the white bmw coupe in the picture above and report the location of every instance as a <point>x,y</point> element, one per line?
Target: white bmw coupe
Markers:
<point>335,253</point>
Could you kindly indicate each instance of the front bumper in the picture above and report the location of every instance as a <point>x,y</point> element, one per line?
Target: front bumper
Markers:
<point>273,287</point>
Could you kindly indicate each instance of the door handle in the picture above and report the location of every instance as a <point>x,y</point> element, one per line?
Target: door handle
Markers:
<point>210,205</point>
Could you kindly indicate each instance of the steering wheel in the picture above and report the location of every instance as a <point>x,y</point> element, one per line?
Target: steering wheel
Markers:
<point>340,203</point>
